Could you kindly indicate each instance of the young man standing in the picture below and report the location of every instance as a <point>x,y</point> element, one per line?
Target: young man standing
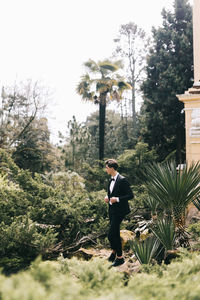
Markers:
<point>119,192</point>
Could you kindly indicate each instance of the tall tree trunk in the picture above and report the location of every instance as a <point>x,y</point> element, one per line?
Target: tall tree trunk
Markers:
<point>180,144</point>
<point>102,118</point>
<point>133,101</point>
<point>124,124</point>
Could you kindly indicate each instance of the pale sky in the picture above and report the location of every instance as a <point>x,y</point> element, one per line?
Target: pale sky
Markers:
<point>49,40</point>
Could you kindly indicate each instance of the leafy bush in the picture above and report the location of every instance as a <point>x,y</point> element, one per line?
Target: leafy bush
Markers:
<point>133,162</point>
<point>194,229</point>
<point>13,200</point>
<point>25,238</point>
<point>36,212</point>
<point>7,165</point>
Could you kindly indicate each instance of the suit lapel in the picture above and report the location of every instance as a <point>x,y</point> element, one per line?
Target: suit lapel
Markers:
<point>115,185</point>
<point>109,188</point>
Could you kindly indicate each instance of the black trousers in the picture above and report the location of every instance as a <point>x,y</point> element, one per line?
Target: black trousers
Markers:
<point>114,233</point>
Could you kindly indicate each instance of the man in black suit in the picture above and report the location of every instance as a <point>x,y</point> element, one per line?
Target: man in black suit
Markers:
<point>119,192</point>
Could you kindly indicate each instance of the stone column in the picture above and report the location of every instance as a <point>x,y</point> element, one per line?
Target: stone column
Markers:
<point>191,98</point>
<point>196,40</point>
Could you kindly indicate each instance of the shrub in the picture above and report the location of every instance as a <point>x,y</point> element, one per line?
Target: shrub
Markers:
<point>194,229</point>
<point>25,238</point>
<point>79,280</point>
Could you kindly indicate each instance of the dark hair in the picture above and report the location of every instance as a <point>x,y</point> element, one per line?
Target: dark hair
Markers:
<point>112,163</point>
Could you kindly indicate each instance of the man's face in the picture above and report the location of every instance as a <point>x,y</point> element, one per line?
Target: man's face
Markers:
<point>109,170</point>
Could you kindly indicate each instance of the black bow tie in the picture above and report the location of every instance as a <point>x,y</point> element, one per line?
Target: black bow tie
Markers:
<point>112,179</point>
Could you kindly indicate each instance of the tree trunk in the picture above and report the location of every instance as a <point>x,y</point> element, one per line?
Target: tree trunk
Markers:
<point>180,143</point>
<point>102,118</point>
<point>182,237</point>
<point>133,109</point>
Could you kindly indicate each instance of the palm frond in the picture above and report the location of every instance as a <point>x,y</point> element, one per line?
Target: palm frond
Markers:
<point>108,66</point>
<point>92,66</point>
<point>172,189</point>
<point>105,85</point>
<point>124,85</point>
<point>100,80</point>
<point>84,87</point>
<point>152,204</point>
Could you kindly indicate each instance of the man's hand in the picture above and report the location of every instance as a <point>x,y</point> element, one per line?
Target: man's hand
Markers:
<point>113,200</point>
<point>106,199</point>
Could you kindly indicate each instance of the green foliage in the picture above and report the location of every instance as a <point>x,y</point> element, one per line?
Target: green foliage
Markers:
<point>24,237</point>
<point>154,269</point>
<point>145,250</point>
<point>67,182</point>
<point>7,166</point>
<point>37,213</point>
<point>65,279</point>
<point>133,162</point>
<point>13,200</point>
<point>95,275</point>
<point>78,140</point>
<point>118,134</point>
<point>82,142</point>
<point>94,176</point>
<point>77,280</point>
<point>34,152</point>
<point>164,230</point>
<point>194,229</point>
<point>171,189</point>
<point>152,204</point>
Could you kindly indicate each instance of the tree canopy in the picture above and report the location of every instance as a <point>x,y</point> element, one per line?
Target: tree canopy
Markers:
<point>169,72</point>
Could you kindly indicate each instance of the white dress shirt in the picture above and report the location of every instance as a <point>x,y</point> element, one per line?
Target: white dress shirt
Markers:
<point>112,186</point>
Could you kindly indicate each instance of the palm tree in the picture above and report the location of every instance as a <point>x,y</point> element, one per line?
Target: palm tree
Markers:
<point>100,85</point>
<point>174,191</point>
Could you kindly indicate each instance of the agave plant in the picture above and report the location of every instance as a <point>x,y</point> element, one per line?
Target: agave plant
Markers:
<point>174,190</point>
<point>152,204</point>
<point>145,250</point>
<point>165,232</point>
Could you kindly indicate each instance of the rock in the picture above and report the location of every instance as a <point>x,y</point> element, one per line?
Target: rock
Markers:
<point>83,254</point>
<point>129,267</point>
<point>192,214</point>
<point>138,217</point>
<point>142,224</point>
<point>144,234</point>
<point>126,236</point>
<point>141,229</point>
<point>171,254</point>
<point>87,254</point>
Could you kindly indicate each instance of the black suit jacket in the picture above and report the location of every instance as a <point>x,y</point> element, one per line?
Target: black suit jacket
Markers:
<point>123,191</point>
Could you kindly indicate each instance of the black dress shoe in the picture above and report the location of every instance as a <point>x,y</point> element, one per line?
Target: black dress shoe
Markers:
<point>118,262</point>
<point>112,256</point>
